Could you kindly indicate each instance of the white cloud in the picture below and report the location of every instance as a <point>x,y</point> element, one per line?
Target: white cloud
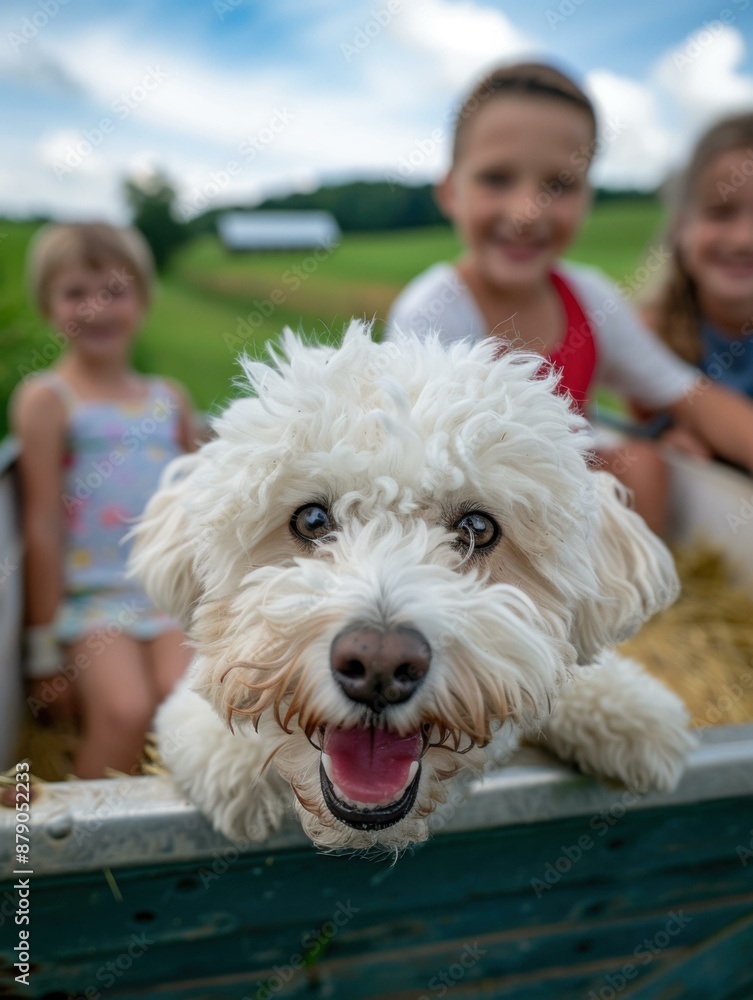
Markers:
<point>702,75</point>
<point>689,87</point>
<point>31,188</point>
<point>167,89</point>
<point>377,112</point>
<point>462,39</point>
<point>222,107</point>
<point>65,150</point>
<point>634,146</point>
<point>290,132</point>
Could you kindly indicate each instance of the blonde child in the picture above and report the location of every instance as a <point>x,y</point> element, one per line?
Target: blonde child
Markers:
<point>94,437</point>
<point>517,193</point>
<point>702,307</point>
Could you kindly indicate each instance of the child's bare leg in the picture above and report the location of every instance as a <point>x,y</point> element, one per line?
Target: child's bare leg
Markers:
<point>117,704</point>
<point>54,699</point>
<point>169,661</point>
<point>640,467</point>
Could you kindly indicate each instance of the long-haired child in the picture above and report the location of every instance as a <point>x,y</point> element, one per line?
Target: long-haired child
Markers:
<point>702,306</point>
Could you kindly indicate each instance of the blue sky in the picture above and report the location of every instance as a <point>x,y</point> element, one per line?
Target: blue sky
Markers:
<point>237,99</point>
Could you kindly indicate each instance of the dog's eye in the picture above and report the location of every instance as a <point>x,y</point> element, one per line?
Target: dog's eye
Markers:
<point>478,529</point>
<point>310,522</point>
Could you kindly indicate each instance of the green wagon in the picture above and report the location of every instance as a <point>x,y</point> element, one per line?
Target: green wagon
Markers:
<point>543,885</point>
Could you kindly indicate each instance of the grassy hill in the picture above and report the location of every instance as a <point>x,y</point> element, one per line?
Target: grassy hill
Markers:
<point>212,304</point>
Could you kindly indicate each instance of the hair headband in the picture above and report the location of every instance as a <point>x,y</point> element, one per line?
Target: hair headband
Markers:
<point>534,86</point>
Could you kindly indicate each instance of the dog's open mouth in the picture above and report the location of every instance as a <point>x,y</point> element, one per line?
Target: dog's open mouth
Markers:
<point>370,776</point>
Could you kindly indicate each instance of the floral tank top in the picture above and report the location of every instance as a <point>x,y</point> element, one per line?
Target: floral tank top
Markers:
<point>115,454</point>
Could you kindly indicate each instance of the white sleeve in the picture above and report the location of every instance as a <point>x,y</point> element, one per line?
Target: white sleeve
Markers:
<point>436,302</point>
<point>402,319</point>
<point>418,309</point>
<point>630,358</point>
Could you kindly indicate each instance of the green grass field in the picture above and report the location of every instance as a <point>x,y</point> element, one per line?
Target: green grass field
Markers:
<point>212,304</point>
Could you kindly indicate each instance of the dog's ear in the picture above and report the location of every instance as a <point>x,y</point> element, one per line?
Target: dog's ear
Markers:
<point>633,570</point>
<point>164,547</point>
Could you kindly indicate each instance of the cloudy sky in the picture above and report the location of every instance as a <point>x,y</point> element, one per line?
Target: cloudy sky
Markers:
<point>238,99</point>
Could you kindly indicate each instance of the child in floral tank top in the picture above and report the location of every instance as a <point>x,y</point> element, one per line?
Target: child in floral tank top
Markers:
<point>95,436</point>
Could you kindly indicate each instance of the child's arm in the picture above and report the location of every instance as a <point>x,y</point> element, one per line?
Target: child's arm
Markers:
<point>188,434</point>
<point>713,418</point>
<point>681,438</point>
<point>644,370</point>
<point>721,417</point>
<point>38,420</point>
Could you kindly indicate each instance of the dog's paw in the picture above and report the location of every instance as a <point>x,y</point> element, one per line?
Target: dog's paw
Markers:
<point>616,721</point>
<point>218,771</point>
<point>244,807</point>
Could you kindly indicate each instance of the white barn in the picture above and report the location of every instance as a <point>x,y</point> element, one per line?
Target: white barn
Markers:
<point>272,230</point>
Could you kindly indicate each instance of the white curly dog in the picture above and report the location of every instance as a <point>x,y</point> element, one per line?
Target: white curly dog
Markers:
<point>389,557</point>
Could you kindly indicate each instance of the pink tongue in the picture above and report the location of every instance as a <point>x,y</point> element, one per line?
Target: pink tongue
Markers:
<point>371,765</point>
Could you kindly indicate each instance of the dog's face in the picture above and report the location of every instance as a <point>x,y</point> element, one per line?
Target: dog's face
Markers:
<point>387,552</point>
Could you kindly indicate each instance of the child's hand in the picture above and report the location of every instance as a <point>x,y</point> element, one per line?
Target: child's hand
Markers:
<point>685,441</point>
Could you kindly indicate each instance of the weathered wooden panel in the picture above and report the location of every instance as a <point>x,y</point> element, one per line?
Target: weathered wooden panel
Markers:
<point>660,902</point>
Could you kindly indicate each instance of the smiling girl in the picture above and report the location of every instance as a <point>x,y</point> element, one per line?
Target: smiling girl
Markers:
<point>703,307</point>
<point>95,436</point>
<point>517,192</point>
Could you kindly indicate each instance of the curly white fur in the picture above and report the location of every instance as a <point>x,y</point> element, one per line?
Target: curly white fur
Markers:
<point>616,721</point>
<point>397,441</point>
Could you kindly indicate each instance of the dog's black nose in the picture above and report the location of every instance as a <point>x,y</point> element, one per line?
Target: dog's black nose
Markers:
<point>379,668</point>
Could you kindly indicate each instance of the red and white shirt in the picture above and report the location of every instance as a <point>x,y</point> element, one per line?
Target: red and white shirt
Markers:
<point>603,342</point>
